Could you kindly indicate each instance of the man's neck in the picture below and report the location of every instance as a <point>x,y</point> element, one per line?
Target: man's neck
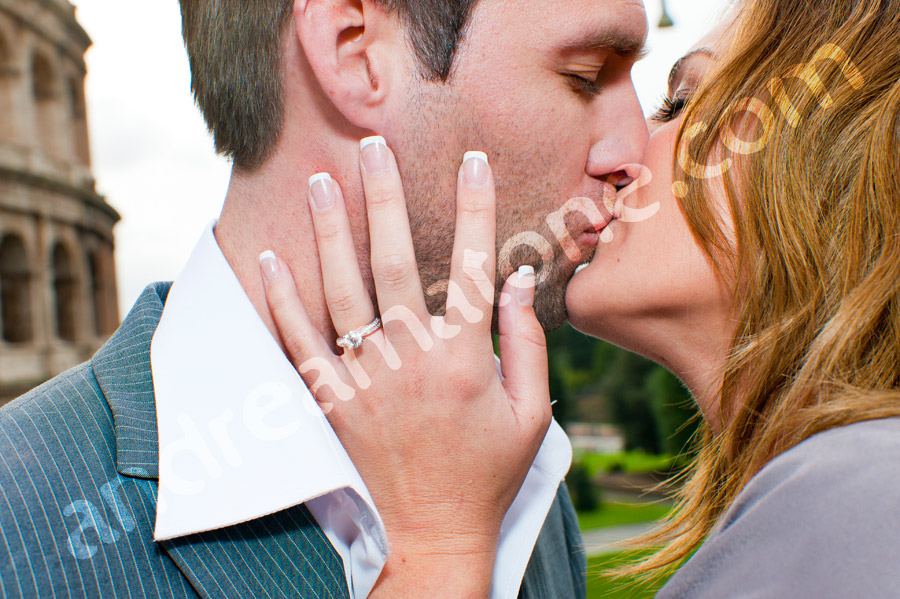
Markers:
<point>268,210</point>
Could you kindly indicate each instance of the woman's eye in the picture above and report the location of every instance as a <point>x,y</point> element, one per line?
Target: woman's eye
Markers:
<point>670,109</point>
<point>583,85</point>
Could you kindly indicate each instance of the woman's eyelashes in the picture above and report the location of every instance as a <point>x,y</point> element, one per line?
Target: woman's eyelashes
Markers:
<point>670,109</point>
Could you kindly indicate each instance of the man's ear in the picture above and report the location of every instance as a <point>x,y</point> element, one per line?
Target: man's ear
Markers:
<point>356,51</point>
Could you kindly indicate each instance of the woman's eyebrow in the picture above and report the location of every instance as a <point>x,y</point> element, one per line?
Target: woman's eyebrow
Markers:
<point>675,73</point>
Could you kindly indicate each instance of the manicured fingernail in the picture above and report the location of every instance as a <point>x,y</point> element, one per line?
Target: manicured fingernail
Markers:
<point>475,169</point>
<point>374,155</point>
<point>321,191</point>
<point>525,286</point>
<point>268,264</point>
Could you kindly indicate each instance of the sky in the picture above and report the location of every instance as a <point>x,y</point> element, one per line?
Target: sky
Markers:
<point>153,158</point>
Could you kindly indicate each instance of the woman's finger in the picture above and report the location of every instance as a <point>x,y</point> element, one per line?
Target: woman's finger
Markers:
<point>304,345</point>
<point>348,302</point>
<point>523,346</point>
<point>471,288</point>
<point>394,265</point>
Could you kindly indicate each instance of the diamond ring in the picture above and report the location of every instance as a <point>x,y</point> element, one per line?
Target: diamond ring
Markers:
<point>354,339</point>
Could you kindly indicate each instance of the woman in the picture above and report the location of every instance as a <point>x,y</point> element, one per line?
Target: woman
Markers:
<point>768,281</point>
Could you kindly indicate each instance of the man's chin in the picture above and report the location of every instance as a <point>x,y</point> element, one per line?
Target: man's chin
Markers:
<point>550,297</point>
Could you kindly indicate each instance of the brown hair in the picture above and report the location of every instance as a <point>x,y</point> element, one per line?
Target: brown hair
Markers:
<point>814,193</point>
<point>234,48</point>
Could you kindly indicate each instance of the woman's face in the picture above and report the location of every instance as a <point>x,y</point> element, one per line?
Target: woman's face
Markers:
<point>650,288</point>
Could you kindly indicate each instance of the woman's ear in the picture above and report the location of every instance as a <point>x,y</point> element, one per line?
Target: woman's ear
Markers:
<point>357,53</point>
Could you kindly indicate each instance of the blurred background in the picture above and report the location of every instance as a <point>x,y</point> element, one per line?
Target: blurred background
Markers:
<point>108,176</point>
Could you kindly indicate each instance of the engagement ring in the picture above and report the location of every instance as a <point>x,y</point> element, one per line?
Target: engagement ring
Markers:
<point>354,339</point>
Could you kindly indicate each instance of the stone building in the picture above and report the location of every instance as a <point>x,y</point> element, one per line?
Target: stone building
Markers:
<point>58,298</point>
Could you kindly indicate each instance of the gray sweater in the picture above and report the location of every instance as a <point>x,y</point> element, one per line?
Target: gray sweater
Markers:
<point>821,520</point>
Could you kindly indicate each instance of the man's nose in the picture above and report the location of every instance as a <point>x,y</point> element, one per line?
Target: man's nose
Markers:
<point>622,134</point>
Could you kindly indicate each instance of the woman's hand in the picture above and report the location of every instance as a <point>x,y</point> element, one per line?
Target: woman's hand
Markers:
<point>442,443</point>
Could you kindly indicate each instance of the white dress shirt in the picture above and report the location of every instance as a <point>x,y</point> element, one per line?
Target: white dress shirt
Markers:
<point>241,436</point>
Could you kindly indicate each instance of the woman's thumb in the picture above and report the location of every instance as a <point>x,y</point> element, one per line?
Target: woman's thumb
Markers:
<point>523,345</point>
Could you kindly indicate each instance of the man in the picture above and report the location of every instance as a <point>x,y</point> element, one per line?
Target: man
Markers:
<point>187,458</point>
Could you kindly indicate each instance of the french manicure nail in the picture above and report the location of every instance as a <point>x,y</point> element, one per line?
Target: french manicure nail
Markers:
<point>525,286</point>
<point>321,191</point>
<point>374,155</point>
<point>268,263</point>
<point>475,169</point>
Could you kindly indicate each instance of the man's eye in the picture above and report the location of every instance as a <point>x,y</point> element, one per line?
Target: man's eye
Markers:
<point>583,85</point>
<point>670,109</point>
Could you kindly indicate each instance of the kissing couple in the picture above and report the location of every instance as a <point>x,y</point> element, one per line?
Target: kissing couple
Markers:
<point>314,407</point>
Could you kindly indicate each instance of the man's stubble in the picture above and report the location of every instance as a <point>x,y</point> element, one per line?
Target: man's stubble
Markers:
<point>429,150</point>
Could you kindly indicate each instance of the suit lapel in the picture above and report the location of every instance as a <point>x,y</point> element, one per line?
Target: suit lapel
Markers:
<point>122,368</point>
<point>281,555</point>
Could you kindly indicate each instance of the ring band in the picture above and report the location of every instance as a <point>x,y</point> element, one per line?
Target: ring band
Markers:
<point>354,339</point>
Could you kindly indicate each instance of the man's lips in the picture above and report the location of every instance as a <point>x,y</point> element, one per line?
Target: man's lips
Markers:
<point>609,208</point>
<point>578,225</point>
<point>591,232</point>
<point>588,239</point>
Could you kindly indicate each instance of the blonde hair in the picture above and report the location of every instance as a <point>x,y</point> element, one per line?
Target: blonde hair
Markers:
<point>813,187</point>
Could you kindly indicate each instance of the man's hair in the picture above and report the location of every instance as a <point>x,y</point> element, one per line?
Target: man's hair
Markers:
<point>234,48</point>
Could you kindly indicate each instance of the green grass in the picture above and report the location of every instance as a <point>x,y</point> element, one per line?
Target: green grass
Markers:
<point>615,514</point>
<point>600,587</point>
<point>630,461</point>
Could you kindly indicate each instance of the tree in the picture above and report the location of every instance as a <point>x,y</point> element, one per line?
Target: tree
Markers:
<point>631,403</point>
<point>585,494</point>
<point>649,404</point>
<point>675,410</point>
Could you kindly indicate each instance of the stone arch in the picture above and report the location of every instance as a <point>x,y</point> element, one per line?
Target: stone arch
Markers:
<point>65,292</point>
<point>78,119</point>
<point>76,99</point>
<point>44,78</point>
<point>44,90</point>
<point>6,89</point>
<point>98,290</point>
<point>15,291</point>
<point>103,288</point>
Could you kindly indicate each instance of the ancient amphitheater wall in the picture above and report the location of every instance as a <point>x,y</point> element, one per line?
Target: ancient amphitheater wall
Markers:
<point>58,299</point>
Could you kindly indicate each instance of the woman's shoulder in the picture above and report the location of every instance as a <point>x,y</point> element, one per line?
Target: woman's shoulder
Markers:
<point>850,472</point>
<point>874,441</point>
<point>820,520</point>
<point>857,458</point>
<point>882,435</point>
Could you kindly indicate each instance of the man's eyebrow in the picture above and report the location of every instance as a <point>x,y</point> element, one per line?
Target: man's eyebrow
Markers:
<point>620,43</point>
<point>676,68</point>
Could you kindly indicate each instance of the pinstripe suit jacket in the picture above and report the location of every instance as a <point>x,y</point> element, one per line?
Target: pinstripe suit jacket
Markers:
<point>78,480</point>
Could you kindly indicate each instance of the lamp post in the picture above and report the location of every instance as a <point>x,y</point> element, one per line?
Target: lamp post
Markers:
<point>665,20</point>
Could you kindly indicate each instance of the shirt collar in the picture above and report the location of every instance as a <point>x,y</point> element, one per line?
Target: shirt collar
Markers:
<point>238,428</point>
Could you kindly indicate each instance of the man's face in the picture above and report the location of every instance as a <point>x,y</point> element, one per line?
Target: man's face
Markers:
<point>544,88</point>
